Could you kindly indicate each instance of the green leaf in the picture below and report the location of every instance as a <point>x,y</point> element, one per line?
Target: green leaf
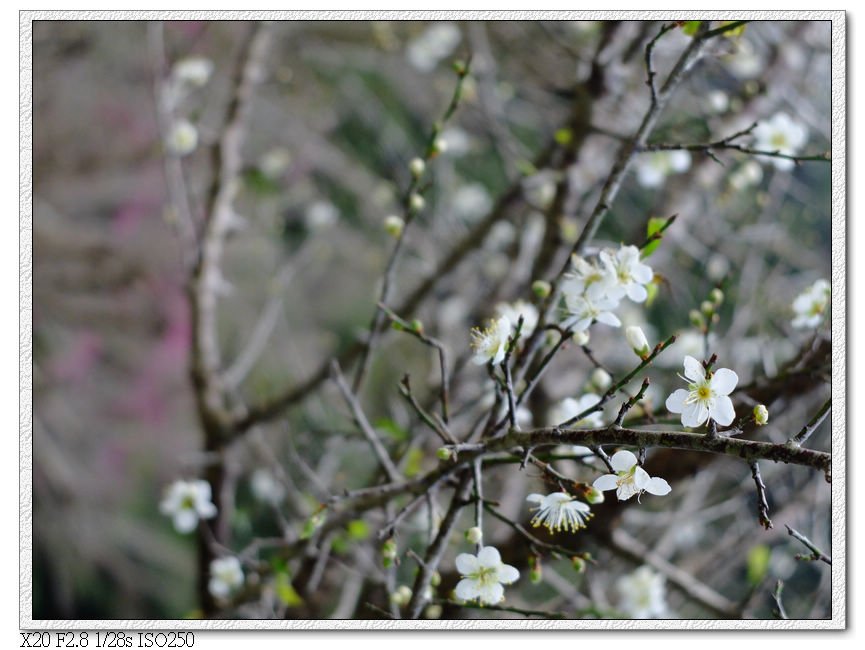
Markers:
<point>312,524</point>
<point>413,462</point>
<point>358,529</point>
<point>758,563</point>
<point>654,227</point>
<point>391,428</point>
<point>286,592</point>
<point>690,27</point>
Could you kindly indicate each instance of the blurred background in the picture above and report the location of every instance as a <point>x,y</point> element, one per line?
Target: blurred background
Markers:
<point>343,108</point>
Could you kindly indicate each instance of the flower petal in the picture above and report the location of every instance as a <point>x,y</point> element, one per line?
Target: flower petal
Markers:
<point>535,498</point>
<point>627,490</point>
<point>641,478</point>
<point>623,460</point>
<point>489,557</point>
<point>467,589</point>
<point>508,574</point>
<point>694,369</point>
<point>608,318</point>
<point>676,401</point>
<point>695,415</point>
<point>637,292</point>
<point>185,521</point>
<point>724,381</point>
<point>466,564</point>
<point>606,482</point>
<point>492,593</point>
<point>657,486</point>
<point>722,412</point>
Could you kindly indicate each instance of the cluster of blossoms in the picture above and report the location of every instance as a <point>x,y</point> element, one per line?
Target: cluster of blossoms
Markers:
<point>186,75</point>
<point>491,343</point>
<point>810,306</point>
<point>592,290</point>
<point>186,502</point>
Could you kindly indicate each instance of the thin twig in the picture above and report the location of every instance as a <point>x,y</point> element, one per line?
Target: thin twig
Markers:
<point>762,500</point>
<point>803,435</point>
<point>779,611</point>
<point>816,553</point>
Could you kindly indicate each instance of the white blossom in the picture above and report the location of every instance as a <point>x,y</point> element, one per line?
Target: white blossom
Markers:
<point>182,138</point>
<point>589,279</point>
<point>630,478</point>
<point>193,71</point>
<point>266,487</point>
<point>520,308</point>
<point>748,174</point>
<point>810,306</point>
<point>642,594</point>
<point>706,396</point>
<point>601,379</point>
<point>274,163</point>
<point>483,576</point>
<point>471,202</point>
<point>321,215</point>
<point>558,511</point>
<point>186,502</point>
<point>570,408</point>
<point>437,42</point>
<point>226,576</point>
<point>629,274</point>
<point>490,344</point>
<point>583,311</point>
<point>653,167</point>
<point>780,134</point>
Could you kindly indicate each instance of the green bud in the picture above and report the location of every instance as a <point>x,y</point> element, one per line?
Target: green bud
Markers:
<point>761,415</point>
<point>393,225</point>
<point>474,535</point>
<point>541,288</point>
<point>417,326</point>
<point>707,308</point>
<point>416,202</point>
<point>443,453</point>
<point>436,579</point>
<point>536,572</point>
<point>581,338</point>
<point>696,319</point>
<point>717,296</point>
<point>594,495</point>
<point>579,564</point>
<point>417,167</point>
<point>460,67</point>
<point>401,596</point>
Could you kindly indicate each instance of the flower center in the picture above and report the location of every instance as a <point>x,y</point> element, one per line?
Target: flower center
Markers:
<point>779,140</point>
<point>704,393</point>
<point>485,575</point>
<point>187,503</point>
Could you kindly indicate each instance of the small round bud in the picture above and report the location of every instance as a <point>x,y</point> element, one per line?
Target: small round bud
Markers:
<point>601,379</point>
<point>579,564</point>
<point>443,453</point>
<point>416,202</point>
<point>417,326</point>
<point>637,340</point>
<point>401,596</point>
<point>433,612</point>
<point>417,167</point>
<point>761,415</point>
<point>707,308</point>
<point>541,288</point>
<point>439,145</point>
<point>389,549</point>
<point>536,572</point>
<point>474,535</point>
<point>436,579</point>
<point>717,296</point>
<point>460,67</point>
<point>696,318</point>
<point>393,225</point>
<point>182,139</point>
<point>581,338</point>
<point>594,495</point>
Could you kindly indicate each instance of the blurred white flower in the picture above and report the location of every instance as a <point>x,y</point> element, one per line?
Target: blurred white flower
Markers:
<point>226,576</point>
<point>437,42</point>
<point>600,379</point>
<point>457,142</point>
<point>630,478</point>
<point>558,511</point>
<point>519,308</point>
<point>471,202</point>
<point>540,188</point>
<point>490,344</point>
<point>274,162</point>
<point>628,272</point>
<point>483,576</point>
<point>186,502</point>
<point>321,215</point>
<point>265,486</point>
<point>717,101</point>
<point>748,174</point>
<point>653,167</point>
<point>810,306</point>
<point>745,63</point>
<point>706,397</point>
<point>642,594</point>
<point>570,408</point>
<point>589,279</point>
<point>182,138</point>
<point>780,134</point>
<point>193,71</point>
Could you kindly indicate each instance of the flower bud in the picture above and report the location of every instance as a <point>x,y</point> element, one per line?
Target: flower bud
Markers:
<point>717,296</point>
<point>593,495</point>
<point>541,288</point>
<point>581,338</point>
<point>436,579</point>
<point>417,167</point>
<point>388,552</point>
<point>474,535</point>
<point>393,226</point>
<point>401,596</point>
<point>536,572</point>
<point>579,564</point>
<point>443,453</point>
<point>696,319</point>
<point>182,139</point>
<point>460,67</point>
<point>637,340</point>
<point>439,145</point>
<point>707,308</point>
<point>761,415</point>
<point>433,612</point>
<point>416,202</point>
<point>601,379</point>
<point>417,326</point>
